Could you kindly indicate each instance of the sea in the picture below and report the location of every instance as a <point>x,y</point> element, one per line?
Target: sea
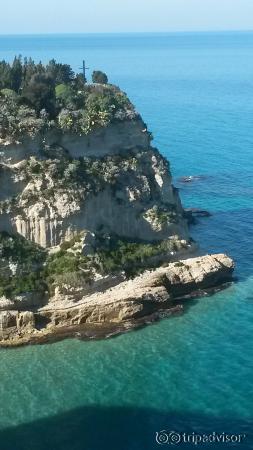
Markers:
<point>190,377</point>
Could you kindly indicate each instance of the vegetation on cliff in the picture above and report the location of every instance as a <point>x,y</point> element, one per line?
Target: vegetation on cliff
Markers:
<point>21,262</point>
<point>26,267</point>
<point>47,179</point>
<point>133,257</point>
<point>34,97</point>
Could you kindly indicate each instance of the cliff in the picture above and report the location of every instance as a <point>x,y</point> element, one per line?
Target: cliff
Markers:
<point>111,181</point>
<point>82,209</point>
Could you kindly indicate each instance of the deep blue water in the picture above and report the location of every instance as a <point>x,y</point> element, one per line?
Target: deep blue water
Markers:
<point>189,373</point>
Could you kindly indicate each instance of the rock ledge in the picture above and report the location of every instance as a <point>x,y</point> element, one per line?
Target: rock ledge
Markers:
<point>126,305</point>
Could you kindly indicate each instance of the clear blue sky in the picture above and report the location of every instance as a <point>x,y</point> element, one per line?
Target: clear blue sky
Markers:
<point>80,16</point>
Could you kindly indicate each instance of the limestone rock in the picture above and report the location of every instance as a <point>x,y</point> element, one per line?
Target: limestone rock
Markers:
<point>131,179</point>
<point>88,243</point>
<point>26,320</point>
<point>8,319</point>
<point>144,294</point>
<point>6,304</point>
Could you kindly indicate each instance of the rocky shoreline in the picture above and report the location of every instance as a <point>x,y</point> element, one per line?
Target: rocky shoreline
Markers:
<point>128,305</point>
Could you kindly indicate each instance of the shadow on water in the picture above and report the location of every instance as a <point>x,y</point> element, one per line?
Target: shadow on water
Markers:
<point>109,428</point>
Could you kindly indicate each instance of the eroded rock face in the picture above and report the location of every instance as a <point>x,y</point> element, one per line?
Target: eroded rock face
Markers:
<point>116,137</point>
<point>125,188</point>
<point>15,323</point>
<point>163,288</point>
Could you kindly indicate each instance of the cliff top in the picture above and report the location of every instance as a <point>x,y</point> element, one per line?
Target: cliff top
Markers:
<point>35,97</point>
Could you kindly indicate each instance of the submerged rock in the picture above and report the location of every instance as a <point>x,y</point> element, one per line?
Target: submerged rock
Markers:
<point>191,214</point>
<point>198,212</point>
<point>191,178</point>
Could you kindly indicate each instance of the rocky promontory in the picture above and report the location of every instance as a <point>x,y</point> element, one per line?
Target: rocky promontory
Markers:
<point>92,230</point>
<point>151,295</point>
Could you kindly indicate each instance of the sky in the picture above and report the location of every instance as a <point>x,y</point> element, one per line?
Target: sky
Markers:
<point>83,16</point>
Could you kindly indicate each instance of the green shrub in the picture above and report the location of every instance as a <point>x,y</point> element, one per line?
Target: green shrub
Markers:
<point>17,119</point>
<point>65,96</point>
<point>131,256</point>
<point>9,94</point>
<point>18,249</point>
<point>28,259</point>
<point>99,77</point>
<point>17,285</point>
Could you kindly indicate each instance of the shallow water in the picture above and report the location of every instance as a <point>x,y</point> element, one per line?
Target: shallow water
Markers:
<point>190,372</point>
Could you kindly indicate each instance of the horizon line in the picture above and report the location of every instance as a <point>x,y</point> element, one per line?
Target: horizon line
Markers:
<point>69,33</point>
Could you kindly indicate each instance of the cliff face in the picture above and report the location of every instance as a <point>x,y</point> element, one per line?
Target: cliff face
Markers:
<point>111,181</point>
<point>115,138</point>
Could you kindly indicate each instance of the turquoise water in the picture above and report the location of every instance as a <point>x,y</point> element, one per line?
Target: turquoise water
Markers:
<point>193,372</point>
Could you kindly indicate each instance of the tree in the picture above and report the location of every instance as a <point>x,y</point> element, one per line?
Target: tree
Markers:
<point>99,77</point>
<point>61,73</point>
<point>5,75</point>
<point>79,82</point>
<point>40,93</point>
<point>16,74</point>
<point>29,69</point>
